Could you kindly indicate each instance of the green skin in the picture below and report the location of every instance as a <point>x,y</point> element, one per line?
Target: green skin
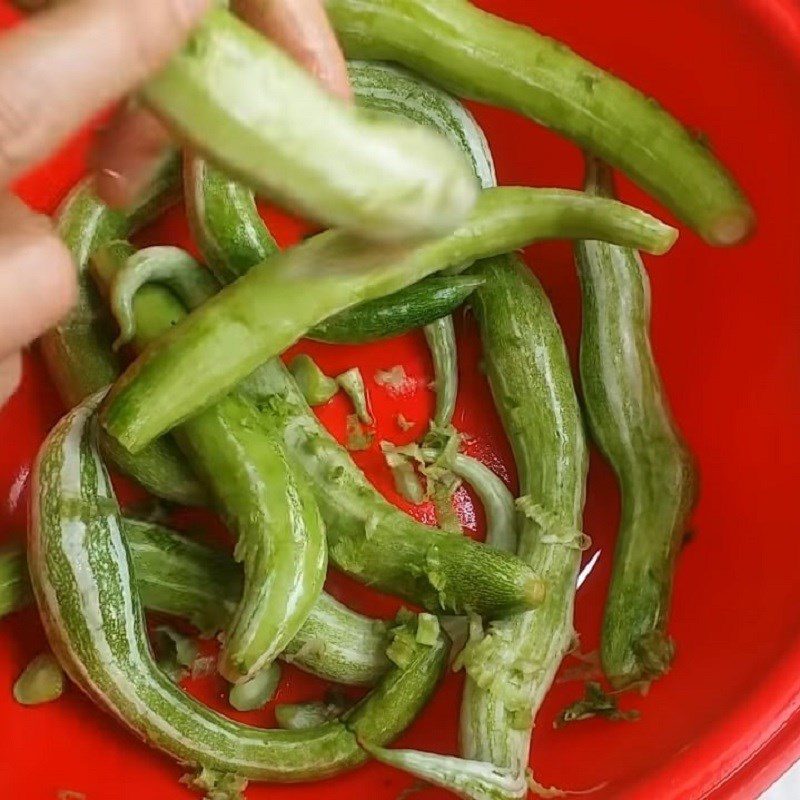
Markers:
<point>437,570</point>
<point>477,55</point>
<point>351,382</point>
<point>317,387</point>
<point>280,534</point>
<point>78,352</point>
<point>42,681</point>
<point>511,669</point>
<point>81,573</point>
<point>258,691</point>
<point>168,265</point>
<point>417,305</point>
<point>224,220</point>
<point>299,145</point>
<point>474,780</point>
<point>375,542</point>
<point>362,527</point>
<point>174,575</point>
<point>441,339</point>
<point>391,91</point>
<point>226,224</point>
<point>281,299</point>
<point>15,590</point>
<point>630,420</point>
<point>232,237</point>
<point>496,499</point>
<point>178,576</point>
<point>270,507</point>
<point>442,572</point>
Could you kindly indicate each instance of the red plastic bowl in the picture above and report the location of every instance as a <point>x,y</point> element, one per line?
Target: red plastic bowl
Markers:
<point>724,723</point>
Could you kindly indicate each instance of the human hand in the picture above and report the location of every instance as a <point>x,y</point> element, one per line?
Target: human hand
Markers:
<point>57,70</point>
<point>75,59</point>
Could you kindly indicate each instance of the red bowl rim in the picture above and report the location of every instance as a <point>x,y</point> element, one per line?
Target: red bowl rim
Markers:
<point>752,746</point>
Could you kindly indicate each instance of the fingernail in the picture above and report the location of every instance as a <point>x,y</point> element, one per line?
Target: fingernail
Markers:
<point>113,187</point>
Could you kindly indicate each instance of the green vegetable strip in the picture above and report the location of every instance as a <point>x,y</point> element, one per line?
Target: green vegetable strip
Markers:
<point>477,55</point>
<point>497,500</point>
<point>178,576</point>
<point>511,668</point>
<point>427,628</point>
<point>393,91</point>
<point>440,571</point>
<point>375,542</point>
<point>227,226</point>
<point>476,780</point>
<point>232,238</point>
<point>389,90</point>
<point>631,422</point>
<point>317,387</point>
<point>352,383</point>
<point>171,266</point>
<point>82,576</point>
<point>224,220</point>
<point>278,301</point>
<point>243,102</point>
<point>406,481</point>
<point>256,692</point>
<point>15,590</point>
<point>78,353</point>
<point>339,645</point>
<point>267,503</point>
<point>400,312</point>
<point>441,339</point>
<point>42,681</point>
<point>281,536</point>
<point>430,568</point>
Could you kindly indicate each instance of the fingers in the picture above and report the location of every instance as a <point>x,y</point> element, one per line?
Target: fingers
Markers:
<point>37,277</point>
<point>65,64</point>
<point>37,285</point>
<point>301,27</point>
<point>127,155</point>
<point>10,376</point>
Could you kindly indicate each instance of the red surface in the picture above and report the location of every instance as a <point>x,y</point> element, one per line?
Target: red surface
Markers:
<point>724,722</point>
